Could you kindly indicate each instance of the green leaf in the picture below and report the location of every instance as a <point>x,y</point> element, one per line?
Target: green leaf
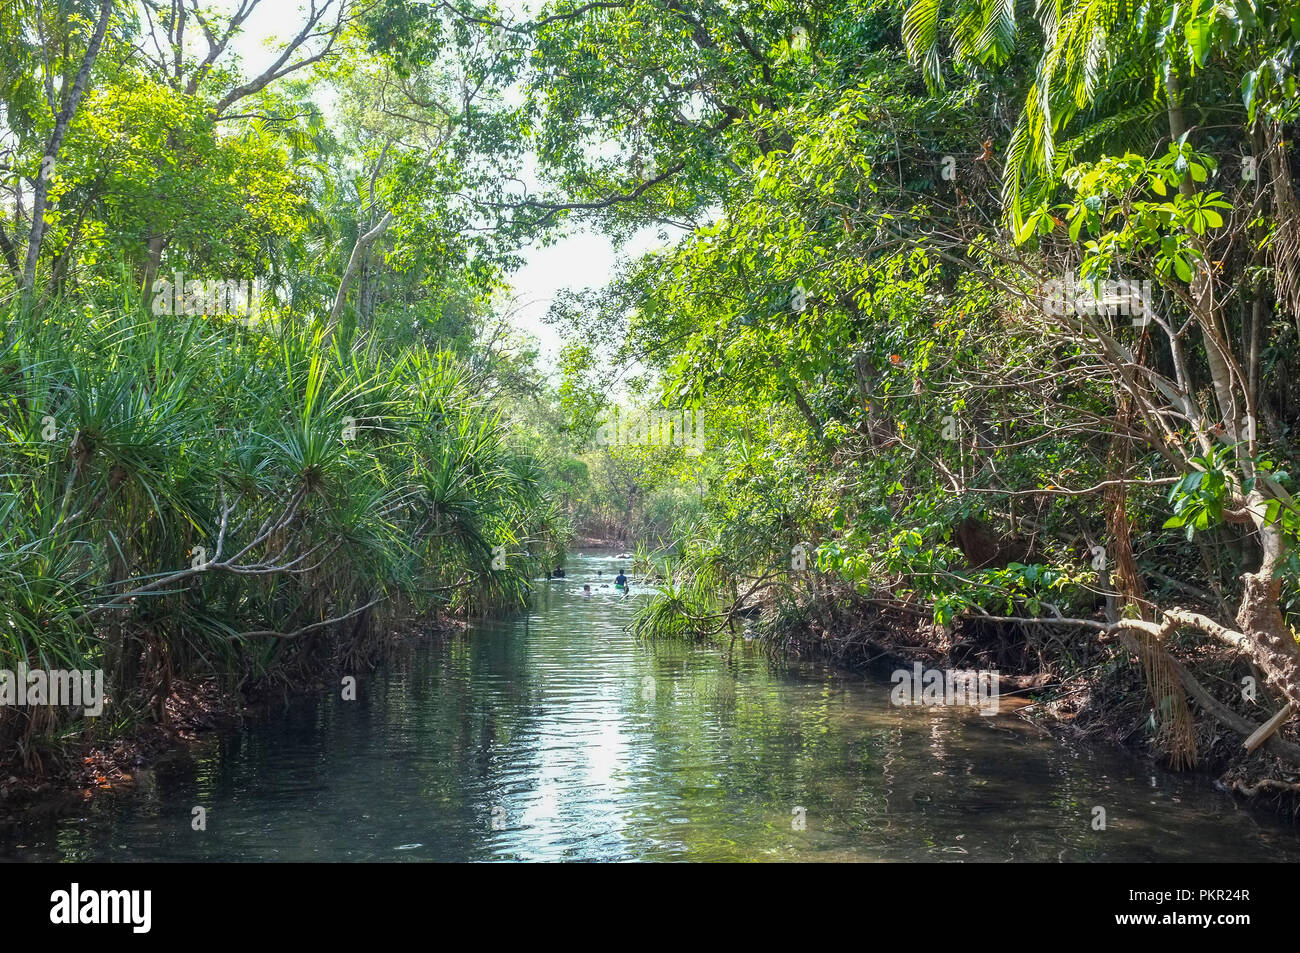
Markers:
<point>921,36</point>
<point>1249,83</point>
<point>1199,33</point>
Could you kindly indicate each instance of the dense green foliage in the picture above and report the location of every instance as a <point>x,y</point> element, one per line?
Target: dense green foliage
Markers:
<point>260,488</point>
<point>873,217</point>
<point>194,494</point>
<point>877,207</point>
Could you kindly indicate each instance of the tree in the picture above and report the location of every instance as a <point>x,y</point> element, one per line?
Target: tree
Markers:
<point>68,101</point>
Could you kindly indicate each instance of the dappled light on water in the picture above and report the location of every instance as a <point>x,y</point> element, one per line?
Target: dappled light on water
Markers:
<point>558,736</point>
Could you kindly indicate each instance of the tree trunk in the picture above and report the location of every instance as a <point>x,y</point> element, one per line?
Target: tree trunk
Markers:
<point>55,143</point>
<point>1216,348</point>
<point>359,252</point>
<point>1260,618</point>
<point>152,264</point>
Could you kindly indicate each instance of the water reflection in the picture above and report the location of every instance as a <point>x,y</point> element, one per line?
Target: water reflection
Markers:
<point>557,736</point>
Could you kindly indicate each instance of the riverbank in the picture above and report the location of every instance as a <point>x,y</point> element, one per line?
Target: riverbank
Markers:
<point>557,735</point>
<point>157,538</point>
<point>83,768</point>
<point>1074,686</point>
<point>86,768</point>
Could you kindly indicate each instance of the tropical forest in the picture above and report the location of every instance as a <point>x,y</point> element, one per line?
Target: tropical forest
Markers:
<point>706,430</point>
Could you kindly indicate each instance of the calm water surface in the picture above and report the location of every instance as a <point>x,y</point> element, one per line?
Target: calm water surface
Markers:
<point>557,736</point>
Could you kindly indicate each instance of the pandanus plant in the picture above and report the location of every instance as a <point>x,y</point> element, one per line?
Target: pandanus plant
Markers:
<point>184,498</point>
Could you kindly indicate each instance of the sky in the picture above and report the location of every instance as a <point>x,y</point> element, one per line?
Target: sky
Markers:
<point>580,260</point>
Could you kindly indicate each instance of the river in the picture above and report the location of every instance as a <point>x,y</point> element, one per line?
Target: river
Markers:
<point>558,736</point>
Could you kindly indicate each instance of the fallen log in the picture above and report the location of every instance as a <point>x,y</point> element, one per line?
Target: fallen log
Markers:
<point>1265,731</point>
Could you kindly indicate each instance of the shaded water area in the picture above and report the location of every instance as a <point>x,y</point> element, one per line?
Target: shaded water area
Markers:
<point>558,736</point>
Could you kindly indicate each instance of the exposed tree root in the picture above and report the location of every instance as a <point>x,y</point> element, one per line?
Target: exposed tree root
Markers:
<point>1267,784</point>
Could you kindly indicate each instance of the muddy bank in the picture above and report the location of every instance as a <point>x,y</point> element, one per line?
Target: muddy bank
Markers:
<point>57,776</point>
<point>1068,681</point>
<point>81,768</point>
